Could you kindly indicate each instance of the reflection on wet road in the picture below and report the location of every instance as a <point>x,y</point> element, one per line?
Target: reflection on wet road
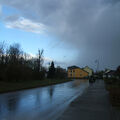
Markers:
<point>45,103</point>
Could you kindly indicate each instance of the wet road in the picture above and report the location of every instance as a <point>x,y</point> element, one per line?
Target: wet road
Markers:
<point>45,103</point>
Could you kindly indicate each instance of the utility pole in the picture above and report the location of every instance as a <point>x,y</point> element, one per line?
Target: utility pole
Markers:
<point>97,65</point>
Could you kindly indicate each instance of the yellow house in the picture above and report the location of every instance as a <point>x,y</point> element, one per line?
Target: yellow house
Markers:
<point>76,72</point>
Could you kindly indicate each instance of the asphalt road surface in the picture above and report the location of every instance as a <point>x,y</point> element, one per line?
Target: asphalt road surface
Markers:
<point>44,103</point>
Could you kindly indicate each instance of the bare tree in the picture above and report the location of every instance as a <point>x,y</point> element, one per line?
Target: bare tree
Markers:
<point>14,53</point>
<point>2,47</point>
<point>40,59</point>
<point>15,65</point>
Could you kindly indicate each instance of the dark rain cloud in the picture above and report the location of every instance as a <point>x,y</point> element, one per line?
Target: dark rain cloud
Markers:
<point>91,27</point>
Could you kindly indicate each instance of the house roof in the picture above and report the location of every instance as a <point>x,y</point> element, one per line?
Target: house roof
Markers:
<point>111,72</point>
<point>73,67</point>
<point>107,71</point>
<point>88,68</point>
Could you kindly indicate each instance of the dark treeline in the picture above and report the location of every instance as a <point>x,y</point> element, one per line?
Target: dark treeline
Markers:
<point>56,72</point>
<point>16,65</point>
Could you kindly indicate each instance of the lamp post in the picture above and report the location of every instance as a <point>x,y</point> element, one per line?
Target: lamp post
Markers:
<point>97,64</point>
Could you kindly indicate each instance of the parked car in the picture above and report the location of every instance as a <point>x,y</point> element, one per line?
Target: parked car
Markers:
<point>92,79</point>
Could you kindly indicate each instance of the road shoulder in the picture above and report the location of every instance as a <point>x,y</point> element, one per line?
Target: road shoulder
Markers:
<point>92,105</point>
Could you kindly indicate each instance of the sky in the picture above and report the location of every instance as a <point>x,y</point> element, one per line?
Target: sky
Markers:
<point>71,32</point>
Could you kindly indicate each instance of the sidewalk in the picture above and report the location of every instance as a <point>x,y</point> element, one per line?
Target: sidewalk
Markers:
<point>92,105</point>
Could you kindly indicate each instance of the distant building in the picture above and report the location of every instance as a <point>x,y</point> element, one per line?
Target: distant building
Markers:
<point>76,72</point>
<point>89,70</point>
<point>109,74</point>
<point>112,73</point>
<point>118,72</point>
<point>105,74</point>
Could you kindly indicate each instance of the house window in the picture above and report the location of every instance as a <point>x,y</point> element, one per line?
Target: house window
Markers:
<point>73,74</point>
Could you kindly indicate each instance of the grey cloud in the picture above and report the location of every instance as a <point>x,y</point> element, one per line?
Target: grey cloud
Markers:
<point>0,11</point>
<point>11,18</point>
<point>112,1</point>
<point>90,27</point>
